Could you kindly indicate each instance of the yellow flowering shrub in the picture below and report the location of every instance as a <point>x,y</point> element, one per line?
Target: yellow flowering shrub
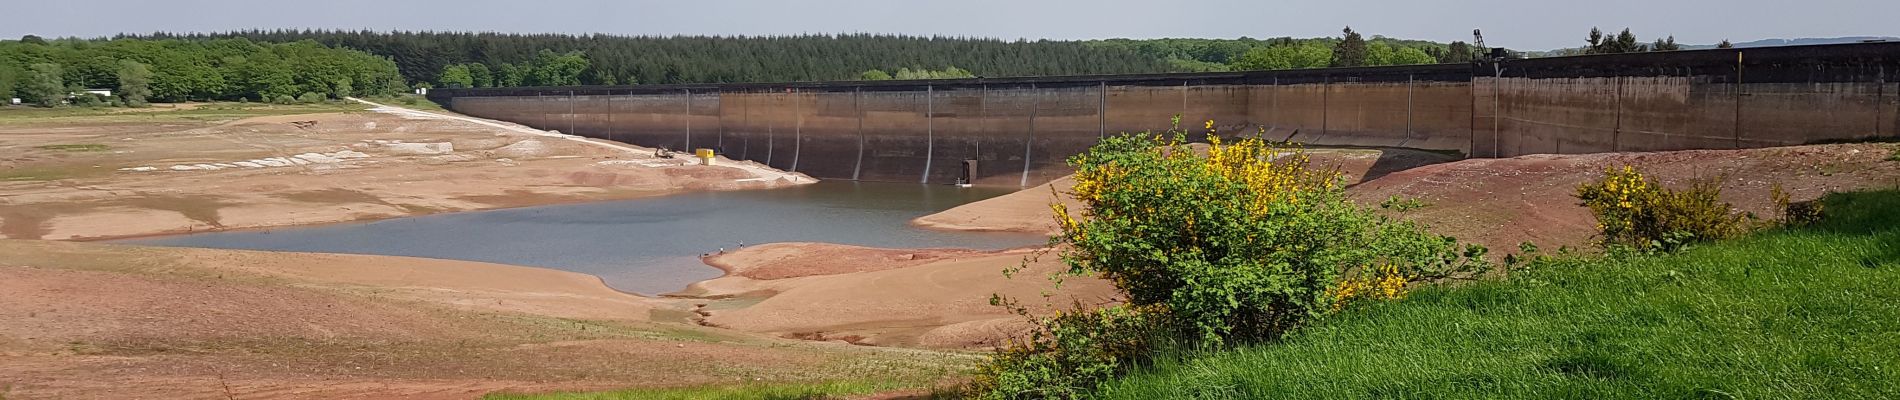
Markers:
<point>1635,211</point>
<point>1382,283</point>
<point>1238,243</point>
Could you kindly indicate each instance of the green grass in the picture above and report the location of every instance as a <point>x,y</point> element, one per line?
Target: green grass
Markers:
<point>211,113</point>
<point>735,392</point>
<point>1800,313</point>
<point>75,147</point>
<point>53,173</point>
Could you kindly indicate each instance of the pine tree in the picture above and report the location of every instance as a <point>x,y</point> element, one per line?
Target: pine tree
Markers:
<point>1595,40</point>
<point>1665,44</point>
<point>1351,50</point>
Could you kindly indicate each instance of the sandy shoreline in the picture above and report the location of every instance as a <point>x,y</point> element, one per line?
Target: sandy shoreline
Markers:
<point>930,298</point>
<point>134,181</point>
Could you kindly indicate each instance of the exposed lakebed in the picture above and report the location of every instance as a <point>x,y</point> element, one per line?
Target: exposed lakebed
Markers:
<point>647,246</point>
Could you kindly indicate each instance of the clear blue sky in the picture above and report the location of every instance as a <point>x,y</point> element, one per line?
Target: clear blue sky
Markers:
<point>1529,25</point>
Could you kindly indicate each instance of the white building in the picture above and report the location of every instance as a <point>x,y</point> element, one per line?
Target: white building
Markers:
<point>101,92</point>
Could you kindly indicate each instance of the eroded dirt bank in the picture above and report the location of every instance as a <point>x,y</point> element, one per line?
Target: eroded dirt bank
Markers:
<point>1500,203</point>
<point>81,181</point>
<point>1503,202</point>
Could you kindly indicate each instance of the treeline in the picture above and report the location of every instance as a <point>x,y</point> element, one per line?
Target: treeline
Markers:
<point>907,73</point>
<point>546,69</point>
<point>59,71</point>
<point>460,59</point>
<point>1350,49</point>
<point>1625,42</point>
<point>426,56</point>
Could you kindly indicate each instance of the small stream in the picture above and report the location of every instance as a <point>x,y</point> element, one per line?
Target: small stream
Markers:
<point>647,246</point>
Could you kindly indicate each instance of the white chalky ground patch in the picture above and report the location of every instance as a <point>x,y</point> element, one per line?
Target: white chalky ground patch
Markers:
<point>321,159</point>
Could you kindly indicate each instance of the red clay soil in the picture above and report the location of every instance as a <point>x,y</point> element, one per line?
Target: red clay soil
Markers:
<point>83,320</point>
<point>1500,203</point>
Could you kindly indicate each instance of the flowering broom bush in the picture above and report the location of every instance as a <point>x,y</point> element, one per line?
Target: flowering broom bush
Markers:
<point>1636,212</point>
<point>1239,244</point>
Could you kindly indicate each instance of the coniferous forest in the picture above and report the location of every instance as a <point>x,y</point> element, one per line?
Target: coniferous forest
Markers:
<point>509,58</point>
<point>275,65</point>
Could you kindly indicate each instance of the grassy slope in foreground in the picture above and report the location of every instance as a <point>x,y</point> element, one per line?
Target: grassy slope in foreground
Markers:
<point>736,392</point>
<point>1811,312</point>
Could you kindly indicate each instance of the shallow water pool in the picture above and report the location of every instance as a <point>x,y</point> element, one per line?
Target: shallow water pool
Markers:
<point>647,246</point>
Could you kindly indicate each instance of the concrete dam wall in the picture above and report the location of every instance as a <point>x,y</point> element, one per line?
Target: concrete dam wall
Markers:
<point>1022,129</point>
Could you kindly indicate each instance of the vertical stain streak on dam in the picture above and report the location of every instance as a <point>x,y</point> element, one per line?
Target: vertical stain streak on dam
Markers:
<point>1020,130</point>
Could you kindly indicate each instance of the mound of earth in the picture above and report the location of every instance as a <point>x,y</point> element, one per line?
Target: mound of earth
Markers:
<point>906,298</point>
<point>1500,203</point>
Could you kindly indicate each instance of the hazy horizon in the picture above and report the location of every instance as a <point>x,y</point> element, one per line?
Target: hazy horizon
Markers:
<point>1518,25</point>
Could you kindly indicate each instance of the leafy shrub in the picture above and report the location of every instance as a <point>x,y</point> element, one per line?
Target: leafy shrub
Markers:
<point>1070,355</point>
<point>311,98</point>
<point>284,99</point>
<point>1637,212</point>
<point>88,100</point>
<point>1244,243</point>
<point>1795,213</point>
<point>1402,204</point>
<point>1240,245</point>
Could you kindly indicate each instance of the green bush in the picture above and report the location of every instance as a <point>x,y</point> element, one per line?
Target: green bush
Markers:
<point>1637,212</point>
<point>88,100</point>
<point>1241,245</point>
<point>1070,355</point>
<point>284,99</point>
<point>311,98</point>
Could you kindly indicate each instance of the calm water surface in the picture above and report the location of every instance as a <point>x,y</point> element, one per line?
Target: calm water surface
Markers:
<point>647,246</point>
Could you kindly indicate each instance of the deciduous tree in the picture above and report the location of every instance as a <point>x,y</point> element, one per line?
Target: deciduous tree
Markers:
<point>45,85</point>
<point>456,76</point>
<point>135,83</point>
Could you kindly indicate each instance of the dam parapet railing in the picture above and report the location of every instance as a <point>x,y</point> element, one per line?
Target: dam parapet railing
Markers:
<point>1021,129</point>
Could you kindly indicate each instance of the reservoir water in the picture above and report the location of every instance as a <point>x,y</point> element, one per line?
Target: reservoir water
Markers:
<point>647,246</point>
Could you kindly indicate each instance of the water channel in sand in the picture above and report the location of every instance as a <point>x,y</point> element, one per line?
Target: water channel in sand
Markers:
<point>647,246</point>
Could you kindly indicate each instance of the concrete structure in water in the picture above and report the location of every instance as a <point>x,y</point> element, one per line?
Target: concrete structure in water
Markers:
<point>1020,130</point>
